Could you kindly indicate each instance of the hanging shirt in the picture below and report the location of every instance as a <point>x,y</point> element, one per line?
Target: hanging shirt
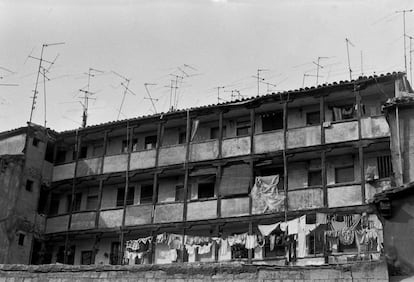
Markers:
<point>293,226</point>
<point>251,241</point>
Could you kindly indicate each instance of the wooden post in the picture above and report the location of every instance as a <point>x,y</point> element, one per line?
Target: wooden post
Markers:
<point>78,143</point>
<point>186,169</point>
<point>101,181</point>
<point>285,161</point>
<point>360,145</point>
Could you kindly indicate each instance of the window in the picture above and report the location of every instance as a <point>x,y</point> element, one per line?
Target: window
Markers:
<point>92,202</point>
<point>29,185</point>
<point>314,178</point>
<point>313,118</point>
<point>76,204</point>
<point>83,152</point>
<point>41,204</point>
<point>35,141</point>
<point>243,128</point>
<point>205,190</point>
<point>21,239</point>
<point>97,150</point>
<point>214,132</point>
<point>49,152</point>
<point>179,193</point>
<point>182,138</point>
<point>60,156</point>
<point>150,142</point>
<point>121,194</point>
<point>384,166</point>
<point>272,121</point>
<point>134,146</point>
<point>343,112</point>
<point>146,194</point>
<point>54,204</point>
<point>86,257</point>
<point>344,174</point>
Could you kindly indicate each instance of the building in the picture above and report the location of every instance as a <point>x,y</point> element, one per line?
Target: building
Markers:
<point>395,205</point>
<point>26,167</point>
<point>282,179</point>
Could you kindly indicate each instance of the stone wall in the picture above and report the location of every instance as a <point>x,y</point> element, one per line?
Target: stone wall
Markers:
<point>361,271</point>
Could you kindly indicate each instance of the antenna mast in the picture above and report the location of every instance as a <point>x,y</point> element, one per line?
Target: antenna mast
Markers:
<point>41,60</point>
<point>348,42</point>
<point>259,79</point>
<point>218,93</point>
<point>149,95</point>
<point>405,48</point>
<point>317,68</point>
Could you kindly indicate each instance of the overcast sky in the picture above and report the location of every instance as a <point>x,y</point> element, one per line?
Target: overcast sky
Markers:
<point>208,43</point>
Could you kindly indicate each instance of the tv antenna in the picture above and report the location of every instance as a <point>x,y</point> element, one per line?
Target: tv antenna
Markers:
<point>318,66</point>
<point>411,58</point>
<point>149,95</point>
<point>125,85</point>
<point>218,94</point>
<point>85,104</point>
<point>304,77</point>
<point>259,79</point>
<point>171,86</point>
<point>404,35</point>
<point>175,97</point>
<point>41,60</point>
<point>348,42</point>
<point>234,94</point>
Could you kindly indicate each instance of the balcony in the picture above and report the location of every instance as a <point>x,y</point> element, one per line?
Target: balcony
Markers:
<point>304,136</point>
<point>172,212</point>
<point>375,127</point>
<point>142,159</point>
<point>308,198</point>
<point>64,171</point>
<point>83,220</point>
<point>202,151</point>
<point>172,155</point>
<point>268,142</point>
<point>138,215</point>
<point>202,210</point>
<point>344,195</point>
<point>57,224</point>
<point>88,167</point>
<point>235,207</point>
<point>115,163</point>
<point>341,132</point>
<point>110,218</point>
<point>237,146</point>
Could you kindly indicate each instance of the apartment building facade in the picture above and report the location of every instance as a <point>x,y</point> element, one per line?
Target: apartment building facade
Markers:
<point>26,156</point>
<point>281,179</point>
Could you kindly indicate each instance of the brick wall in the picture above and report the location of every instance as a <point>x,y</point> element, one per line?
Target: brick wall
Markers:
<point>361,271</point>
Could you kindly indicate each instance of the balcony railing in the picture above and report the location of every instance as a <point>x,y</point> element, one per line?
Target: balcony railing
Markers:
<point>172,212</point>
<point>138,215</point>
<point>341,131</point>
<point>110,218</point>
<point>202,210</point>
<point>344,195</point>
<point>306,198</point>
<point>83,220</point>
<point>57,223</point>
<point>235,207</point>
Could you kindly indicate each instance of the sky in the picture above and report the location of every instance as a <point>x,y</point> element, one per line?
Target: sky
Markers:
<point>186,50</point>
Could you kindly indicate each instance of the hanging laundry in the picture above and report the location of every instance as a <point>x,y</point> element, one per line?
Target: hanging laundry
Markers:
<point>302,230</point>
<point>346,237</point>
<point>172,255</point>
<point>191,249</point>
<point>292,226</point>
<point>204,249</point>
<point>224,246</point>
<point>267,229</point>
<point>321,218</point>
<point>283,226</point>
<point>251,241</point>
<point>175,241</point>
<point>272,240</point>
<point>265,195</point>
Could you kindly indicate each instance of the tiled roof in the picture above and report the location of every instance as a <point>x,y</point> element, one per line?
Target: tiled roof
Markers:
<point>288,93</point>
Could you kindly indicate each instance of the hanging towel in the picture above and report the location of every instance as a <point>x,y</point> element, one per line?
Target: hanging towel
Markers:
<point>293,226</point>
<point>267,229</point>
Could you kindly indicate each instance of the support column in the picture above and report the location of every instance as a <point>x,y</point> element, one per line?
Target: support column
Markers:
<point>251,162</point>
<point>129,133</point>
<point>101,181</point>
<point>360,145</point>
<point>78,143</point>
<point>285,161</point>
<point>186,168</point>
<point>217,188</point>
<point>220,140</point>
